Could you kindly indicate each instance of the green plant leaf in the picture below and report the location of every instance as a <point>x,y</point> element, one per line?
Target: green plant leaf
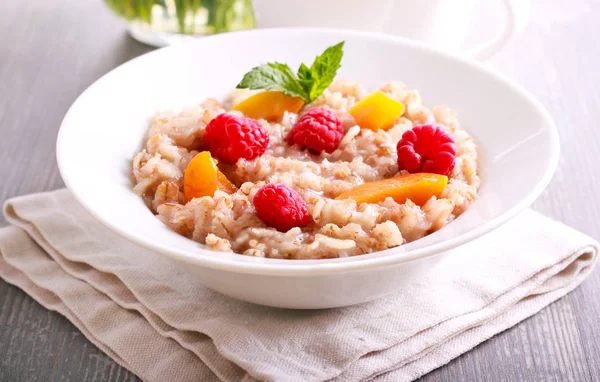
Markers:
<point>324,69</point>
<point>308,84</point>
<point>273,76</point>
<point>305,77</point>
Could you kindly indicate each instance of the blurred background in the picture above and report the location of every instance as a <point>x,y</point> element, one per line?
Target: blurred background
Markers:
<point>446,24</point>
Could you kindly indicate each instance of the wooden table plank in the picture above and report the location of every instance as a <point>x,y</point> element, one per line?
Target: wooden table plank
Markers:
<point>50,51</point>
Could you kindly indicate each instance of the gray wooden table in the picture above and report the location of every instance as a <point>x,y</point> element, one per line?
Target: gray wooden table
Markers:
<point>50,51</point>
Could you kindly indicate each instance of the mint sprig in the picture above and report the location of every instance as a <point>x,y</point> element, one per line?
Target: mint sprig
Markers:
<point>308,83</point>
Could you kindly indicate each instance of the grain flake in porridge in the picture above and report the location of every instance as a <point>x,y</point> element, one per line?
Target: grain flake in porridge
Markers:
<point>310,168</point>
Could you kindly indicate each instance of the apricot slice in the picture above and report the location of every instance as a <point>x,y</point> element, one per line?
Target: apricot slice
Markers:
<point>269,105</point>
<point>419,188</point>
<point>376,111</point>
<point>202,178</point>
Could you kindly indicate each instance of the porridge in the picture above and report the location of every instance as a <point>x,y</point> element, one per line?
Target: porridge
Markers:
<point>299,166</point>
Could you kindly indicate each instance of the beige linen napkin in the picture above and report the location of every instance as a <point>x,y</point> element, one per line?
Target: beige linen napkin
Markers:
<point>158,321</point>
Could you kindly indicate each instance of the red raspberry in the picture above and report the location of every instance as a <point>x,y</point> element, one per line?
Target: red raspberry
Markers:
<point>230,138</point>
<point>318,130</point>
<point>281,207</point>
<point>426,148</point>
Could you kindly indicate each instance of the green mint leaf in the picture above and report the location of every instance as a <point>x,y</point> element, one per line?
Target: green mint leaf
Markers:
<point>305,76</point>
<point>324,68</point>
<point>308,84</point>
<point>274,76</point>
<point>304,72</point>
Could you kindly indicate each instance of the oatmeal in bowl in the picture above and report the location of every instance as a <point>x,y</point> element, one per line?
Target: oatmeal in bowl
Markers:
<point>302,166</point>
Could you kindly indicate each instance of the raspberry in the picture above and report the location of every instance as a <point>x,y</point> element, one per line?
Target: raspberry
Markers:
<point>426,148</point>
<point>281,207</point>
<point>230,138</point>
<point>318,130</point>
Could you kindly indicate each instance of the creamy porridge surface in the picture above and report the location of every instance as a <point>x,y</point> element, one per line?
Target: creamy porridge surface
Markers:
<point>227,221</point>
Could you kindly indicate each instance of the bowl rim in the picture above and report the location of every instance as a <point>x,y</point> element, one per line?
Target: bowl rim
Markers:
<point>285,267</point>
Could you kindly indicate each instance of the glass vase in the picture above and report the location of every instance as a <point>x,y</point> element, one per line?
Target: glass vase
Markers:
<point>166,22</point>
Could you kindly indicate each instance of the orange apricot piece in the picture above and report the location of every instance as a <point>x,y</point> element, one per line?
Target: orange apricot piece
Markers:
<point>269,105</point>
<point>419,188</point>
<point>202,178</point>
<point>376,111</point>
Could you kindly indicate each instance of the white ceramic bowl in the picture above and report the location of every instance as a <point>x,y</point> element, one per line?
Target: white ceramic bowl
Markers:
<point>516,137</point>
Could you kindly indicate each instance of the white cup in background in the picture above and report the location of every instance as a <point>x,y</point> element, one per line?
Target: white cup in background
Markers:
<point>446,24</point>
